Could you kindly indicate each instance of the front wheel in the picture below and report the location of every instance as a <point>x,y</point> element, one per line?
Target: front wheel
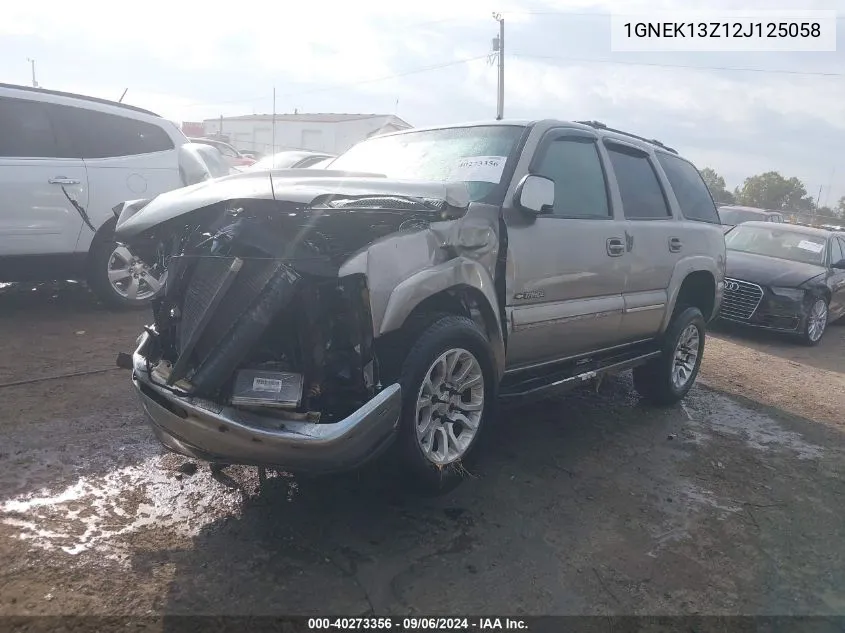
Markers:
<point>668,378</point>
<point>448,393</point>
<point>816,322</point>
<point>118,277</point>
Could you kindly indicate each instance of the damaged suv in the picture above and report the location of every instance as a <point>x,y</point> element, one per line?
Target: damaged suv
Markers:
<point>311,320</point>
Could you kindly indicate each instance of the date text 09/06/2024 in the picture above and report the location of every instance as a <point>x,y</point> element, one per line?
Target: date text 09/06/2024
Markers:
<point>418,624</point>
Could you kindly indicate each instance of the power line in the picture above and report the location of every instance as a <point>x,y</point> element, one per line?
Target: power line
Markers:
<point>414,71</point>
<point>777,71</point>
<point>601,14</point>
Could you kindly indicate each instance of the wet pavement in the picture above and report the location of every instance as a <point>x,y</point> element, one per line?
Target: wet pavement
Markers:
<point>590,504</point>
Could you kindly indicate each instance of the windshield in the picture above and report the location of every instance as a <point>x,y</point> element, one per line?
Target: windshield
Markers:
<point>475,155</point>
<point>738,216</point>
<point>777,242</point>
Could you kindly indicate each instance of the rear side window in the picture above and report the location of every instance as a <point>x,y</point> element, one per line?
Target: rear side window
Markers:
<point>642,196</point>
<point>100,135</point>
<point>690,189</point>
<point>26,131</point>
<point>574,166</point>
<point>836,253</point>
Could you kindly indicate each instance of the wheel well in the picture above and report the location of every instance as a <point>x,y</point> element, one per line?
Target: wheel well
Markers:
<point>698,290</point>
<point>459,300</point>
<point>106,228</point>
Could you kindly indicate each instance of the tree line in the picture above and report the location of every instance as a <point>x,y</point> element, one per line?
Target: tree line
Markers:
<point>769,191</point>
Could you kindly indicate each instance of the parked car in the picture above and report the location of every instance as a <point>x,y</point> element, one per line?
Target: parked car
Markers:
<point>789,278</point>
<point>208,162</point>
<point>292,159</point>
<point>731,215</point>
<point>233,156</point>
<point>65,161</point>
<point>311,322</point>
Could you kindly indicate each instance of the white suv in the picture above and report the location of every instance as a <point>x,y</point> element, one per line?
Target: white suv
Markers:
<point>65,161</point>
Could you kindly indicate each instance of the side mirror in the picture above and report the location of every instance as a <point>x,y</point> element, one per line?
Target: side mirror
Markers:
<point>840,264</point>
<point>535,194</point>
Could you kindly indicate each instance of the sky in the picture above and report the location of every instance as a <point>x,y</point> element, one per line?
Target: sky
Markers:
<point>427,63</point>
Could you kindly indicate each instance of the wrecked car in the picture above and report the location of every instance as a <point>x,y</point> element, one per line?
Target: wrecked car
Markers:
<point>312,320</point>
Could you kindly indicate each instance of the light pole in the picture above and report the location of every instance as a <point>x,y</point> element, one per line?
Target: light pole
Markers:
<point>32,63</point>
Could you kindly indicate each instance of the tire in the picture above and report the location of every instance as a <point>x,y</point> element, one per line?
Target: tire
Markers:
<point>432,467</point>
<point>107,257</point>
<point>655,380</point>
<point>811,336</point>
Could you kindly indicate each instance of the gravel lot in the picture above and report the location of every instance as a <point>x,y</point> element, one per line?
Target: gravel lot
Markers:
<point>591,504</point>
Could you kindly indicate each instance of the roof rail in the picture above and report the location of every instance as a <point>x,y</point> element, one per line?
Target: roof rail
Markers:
<point>73,95</point>
<point>652,141</point>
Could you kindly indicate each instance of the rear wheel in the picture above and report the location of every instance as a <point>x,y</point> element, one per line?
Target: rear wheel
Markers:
<point>668,378</point>
<point>448,393</point>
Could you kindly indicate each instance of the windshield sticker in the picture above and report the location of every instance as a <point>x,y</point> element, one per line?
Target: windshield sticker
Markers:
<point>479,169</point>
<point>813,247</point>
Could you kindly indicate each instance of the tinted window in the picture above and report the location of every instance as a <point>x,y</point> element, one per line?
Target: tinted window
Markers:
<point>575,168</point>
<point>690,190</point>
<point>25,130</point>
<point>100,135</point>
<point>836,251</point>
<point>642,197</point>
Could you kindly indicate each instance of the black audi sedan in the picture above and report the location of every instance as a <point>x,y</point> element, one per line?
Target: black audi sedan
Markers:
<point>784,277</point>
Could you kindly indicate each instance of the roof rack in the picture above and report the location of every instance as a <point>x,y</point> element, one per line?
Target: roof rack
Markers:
<point>652,141</point>
<point>73,95</point>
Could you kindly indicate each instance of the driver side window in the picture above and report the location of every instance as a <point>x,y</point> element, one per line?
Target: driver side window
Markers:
<point>574,166</point>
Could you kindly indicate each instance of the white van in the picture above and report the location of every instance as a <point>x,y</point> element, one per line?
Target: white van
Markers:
<point>65,161</point>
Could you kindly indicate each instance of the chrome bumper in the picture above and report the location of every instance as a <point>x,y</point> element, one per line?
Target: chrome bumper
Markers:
<point>217,433</point>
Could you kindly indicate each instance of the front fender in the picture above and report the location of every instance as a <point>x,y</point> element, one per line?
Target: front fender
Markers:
<point>454,273</point>
<point>682,269</point>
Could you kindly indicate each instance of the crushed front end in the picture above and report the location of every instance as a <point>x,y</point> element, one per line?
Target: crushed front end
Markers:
<point>261,353</point>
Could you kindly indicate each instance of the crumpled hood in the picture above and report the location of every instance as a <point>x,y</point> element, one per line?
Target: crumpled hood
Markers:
<point>299,186</point>
<point>769,271</point>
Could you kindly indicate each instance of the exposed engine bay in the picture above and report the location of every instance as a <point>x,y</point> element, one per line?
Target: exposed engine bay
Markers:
<point>254,314</point>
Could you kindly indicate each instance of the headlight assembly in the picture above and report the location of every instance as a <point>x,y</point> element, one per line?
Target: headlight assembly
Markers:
<point>796,294</point>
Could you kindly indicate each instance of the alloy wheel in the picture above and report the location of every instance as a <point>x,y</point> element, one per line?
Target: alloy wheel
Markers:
<point>686,355</point>
<point>450,403</point>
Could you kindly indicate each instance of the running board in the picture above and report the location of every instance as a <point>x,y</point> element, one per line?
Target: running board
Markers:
<point>570,382</point>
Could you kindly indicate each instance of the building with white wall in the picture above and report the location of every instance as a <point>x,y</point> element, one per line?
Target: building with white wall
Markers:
<point>332,133</point>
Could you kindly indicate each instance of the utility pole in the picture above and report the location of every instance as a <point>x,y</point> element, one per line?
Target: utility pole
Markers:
<point>32,63</point>
<point>273,126</point>
<point>220,131</point>
<point>499,50</point>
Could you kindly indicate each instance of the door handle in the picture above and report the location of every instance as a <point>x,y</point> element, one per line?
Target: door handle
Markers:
<point>675,245</point>
<point>61,180</point>
<point>615,246</point>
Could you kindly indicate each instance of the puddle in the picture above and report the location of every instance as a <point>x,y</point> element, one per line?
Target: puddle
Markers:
<point>758,430</point>
<point>98,514</point>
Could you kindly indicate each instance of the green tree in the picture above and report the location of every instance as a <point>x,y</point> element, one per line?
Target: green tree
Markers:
<point>716,184</point>
<point>831,213</point>
<point>841,207</point>
<point>772,191</point>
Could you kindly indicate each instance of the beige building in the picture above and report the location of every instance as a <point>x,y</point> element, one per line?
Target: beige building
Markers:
<point>332,133</point>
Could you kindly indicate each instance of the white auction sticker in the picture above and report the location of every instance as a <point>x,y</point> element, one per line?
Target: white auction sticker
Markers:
<point>479,169</point>
<point>813,247</point>
<point>267,384</point>
<point>724,31</point>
